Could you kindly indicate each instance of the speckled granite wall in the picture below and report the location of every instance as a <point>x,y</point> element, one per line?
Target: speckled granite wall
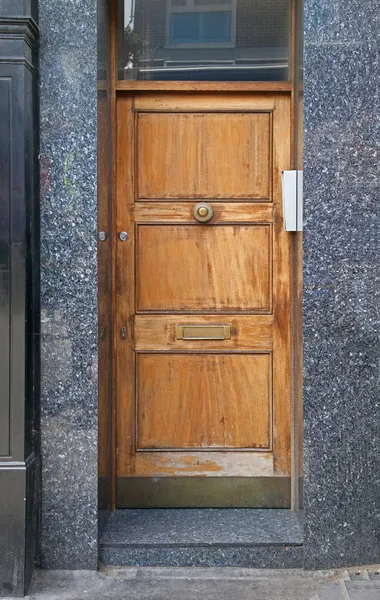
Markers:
<point>342,282</point>
<point>69,282</point>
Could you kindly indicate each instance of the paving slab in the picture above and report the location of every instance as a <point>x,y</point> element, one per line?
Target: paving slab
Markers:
<point>175,584</point>
<point>363,590</point>
<point>200,583</point>
<point>332,592</point>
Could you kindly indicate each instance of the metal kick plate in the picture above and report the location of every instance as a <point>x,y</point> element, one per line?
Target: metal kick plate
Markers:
<point>203,332</point>
<point>203,492</point>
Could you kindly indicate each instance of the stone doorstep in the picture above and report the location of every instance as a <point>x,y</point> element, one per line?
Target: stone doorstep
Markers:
<point>249,538</point>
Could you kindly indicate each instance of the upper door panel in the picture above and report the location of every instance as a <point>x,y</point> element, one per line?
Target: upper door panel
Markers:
<point>204,155</point>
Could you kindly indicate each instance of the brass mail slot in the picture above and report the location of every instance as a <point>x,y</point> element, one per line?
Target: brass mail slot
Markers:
<point>203,332</point>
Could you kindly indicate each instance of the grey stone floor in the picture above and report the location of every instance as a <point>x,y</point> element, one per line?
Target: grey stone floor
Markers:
<point>205,583</point>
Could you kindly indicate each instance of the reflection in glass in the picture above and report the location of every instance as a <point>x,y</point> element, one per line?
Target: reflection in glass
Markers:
<point>209,40</point>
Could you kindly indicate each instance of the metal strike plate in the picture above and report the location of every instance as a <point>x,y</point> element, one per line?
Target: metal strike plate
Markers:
<point>292,200</point>
<point>203,332</point>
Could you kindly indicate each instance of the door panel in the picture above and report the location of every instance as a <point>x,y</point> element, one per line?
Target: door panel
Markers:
<point>203,311</point>
<point>207,155</point>
<point>183,268</point>
<point>203,401</point>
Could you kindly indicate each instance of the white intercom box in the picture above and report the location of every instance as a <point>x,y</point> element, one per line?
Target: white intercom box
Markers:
<point>292,200</point>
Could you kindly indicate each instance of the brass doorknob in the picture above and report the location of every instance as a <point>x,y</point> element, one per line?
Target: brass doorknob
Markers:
<point>203,212</point>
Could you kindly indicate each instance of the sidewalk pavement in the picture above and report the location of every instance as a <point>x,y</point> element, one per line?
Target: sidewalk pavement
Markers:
<point>205,583</point>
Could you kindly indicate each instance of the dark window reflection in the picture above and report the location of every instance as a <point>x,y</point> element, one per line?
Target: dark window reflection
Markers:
<point>209,40</point>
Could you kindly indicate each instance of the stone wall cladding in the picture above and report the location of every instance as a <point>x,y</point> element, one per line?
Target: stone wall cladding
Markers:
<point>69,283</point>
<point>342,283</point>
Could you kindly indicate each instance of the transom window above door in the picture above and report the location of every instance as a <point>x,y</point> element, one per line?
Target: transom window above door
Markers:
<point>201,22</point>
<point>204,40</point>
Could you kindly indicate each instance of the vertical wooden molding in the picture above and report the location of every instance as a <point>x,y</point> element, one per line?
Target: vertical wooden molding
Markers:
<point>113,68</point>
<point>296,154</point>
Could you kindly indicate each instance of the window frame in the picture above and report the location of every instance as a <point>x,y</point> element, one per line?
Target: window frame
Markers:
<point>190,7</point>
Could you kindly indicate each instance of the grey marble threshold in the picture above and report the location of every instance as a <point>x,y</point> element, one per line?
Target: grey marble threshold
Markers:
<point>250,538</point>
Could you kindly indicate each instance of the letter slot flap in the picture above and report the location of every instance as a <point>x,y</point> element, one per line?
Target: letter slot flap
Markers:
<point>203,332</point>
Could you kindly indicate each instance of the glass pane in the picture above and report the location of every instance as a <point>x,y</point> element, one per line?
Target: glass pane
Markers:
<point>210,2</point>
<point>185,28</point>
<point>204,40</point>
<point>216,27</point>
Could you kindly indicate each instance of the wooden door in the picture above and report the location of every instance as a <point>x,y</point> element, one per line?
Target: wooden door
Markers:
<point>203,310</point>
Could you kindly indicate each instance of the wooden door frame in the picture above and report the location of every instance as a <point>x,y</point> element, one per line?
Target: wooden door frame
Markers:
<point>105,374</point>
